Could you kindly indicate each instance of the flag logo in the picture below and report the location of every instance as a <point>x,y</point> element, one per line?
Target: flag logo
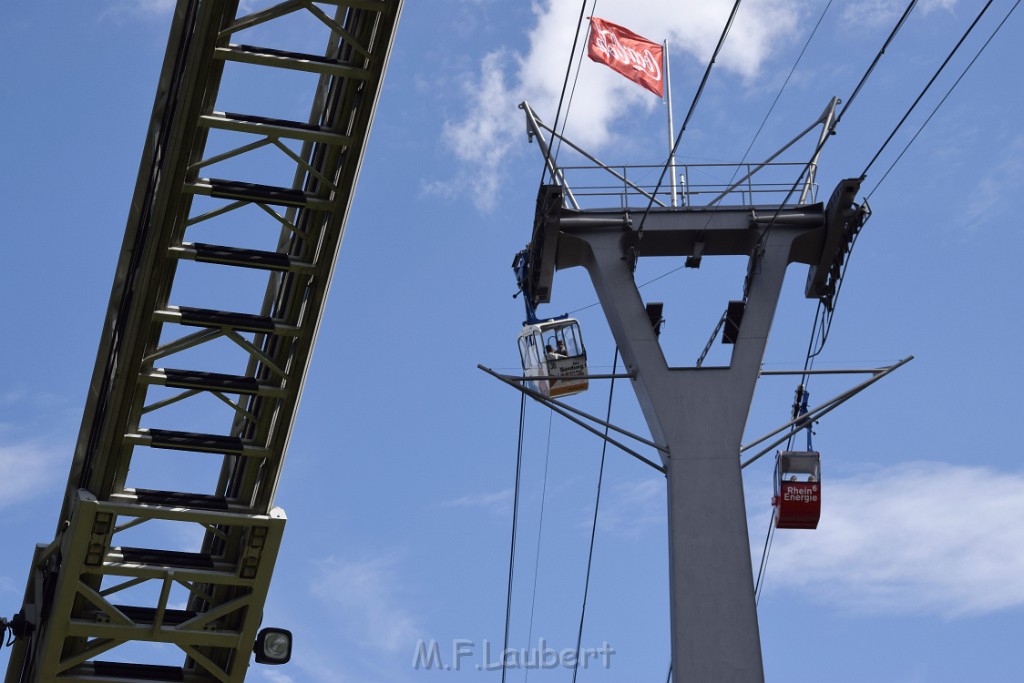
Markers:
<point>633,56</point>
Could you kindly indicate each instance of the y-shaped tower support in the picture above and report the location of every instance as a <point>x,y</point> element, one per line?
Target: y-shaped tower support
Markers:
<point>699,413</point>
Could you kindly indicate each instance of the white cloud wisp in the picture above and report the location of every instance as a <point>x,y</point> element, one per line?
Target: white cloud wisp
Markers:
<point>920,538</point>
<point>482,139</point>
<point>368,596</point>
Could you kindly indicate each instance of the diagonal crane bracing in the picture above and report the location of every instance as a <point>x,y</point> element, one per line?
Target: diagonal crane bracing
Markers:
<point>201,229</point>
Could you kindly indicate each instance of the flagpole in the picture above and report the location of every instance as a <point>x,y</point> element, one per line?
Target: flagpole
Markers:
<point>671,128</point>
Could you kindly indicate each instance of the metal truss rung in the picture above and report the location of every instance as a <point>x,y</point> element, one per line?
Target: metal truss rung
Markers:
<point>148,615</point>
<point>167,558</point>
<point>283,59</point>
<point>238,256</point>
<point>275,128</point>
<point>211,381</point>
<point>244,322</point>
<point>176,499</point>
<point>268,194</point>
<point>162,632</point>
<point>194,441</point>
<point>117,671</point>
<point>259,194</point>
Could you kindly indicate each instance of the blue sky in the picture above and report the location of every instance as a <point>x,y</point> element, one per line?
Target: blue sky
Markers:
<point>399,476</point>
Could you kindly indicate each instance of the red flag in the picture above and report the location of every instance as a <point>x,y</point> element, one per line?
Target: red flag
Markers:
<point>633,56</point>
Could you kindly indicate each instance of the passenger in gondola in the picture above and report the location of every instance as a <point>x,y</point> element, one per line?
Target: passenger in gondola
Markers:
<point>561,350</point>
<point>550,353</point>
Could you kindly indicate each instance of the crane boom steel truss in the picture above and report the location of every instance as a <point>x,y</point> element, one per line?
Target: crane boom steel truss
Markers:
<point>199,223</point>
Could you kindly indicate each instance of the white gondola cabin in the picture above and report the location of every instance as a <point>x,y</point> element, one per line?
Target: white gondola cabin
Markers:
<point>553,350</point>
<point>797,498</point>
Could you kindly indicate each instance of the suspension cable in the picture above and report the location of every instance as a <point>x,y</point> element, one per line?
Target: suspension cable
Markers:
<point>572,91</point>
<point>689,114</point>
<point>540,534</point>
<point>800,403</point>
<point>944,98</point>
<point>561,98</point>
<point>926,87</point>
<point>878,57</point>
<point>515,524</point>
<point>593,527</point>
<point>782,89</point>
<point>839,117</point>
<point>759,584</point>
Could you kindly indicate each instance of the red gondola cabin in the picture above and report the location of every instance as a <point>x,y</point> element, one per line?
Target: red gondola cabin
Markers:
<point>797,498</point>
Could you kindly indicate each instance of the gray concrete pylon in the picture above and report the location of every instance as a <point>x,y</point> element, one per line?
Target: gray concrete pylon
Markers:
<point>699,413</point>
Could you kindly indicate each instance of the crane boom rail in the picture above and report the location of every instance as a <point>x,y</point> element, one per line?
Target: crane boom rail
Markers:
<point>223,199</point>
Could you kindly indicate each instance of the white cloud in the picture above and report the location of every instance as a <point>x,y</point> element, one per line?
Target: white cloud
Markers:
<point>1001,180</point>
<point>273,676</point>
<point>483,138</point>
<point>156,8</point>
<point>140,7</point>
<point>26,469</point>
<point>370,601</point>
<point>920,538</point>
<point>879,13</point>
<point>498,501</point>
<point>629,510</point>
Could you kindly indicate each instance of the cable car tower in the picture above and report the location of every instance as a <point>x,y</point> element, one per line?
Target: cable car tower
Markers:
<point>109,585</point>
<point>696,415</point>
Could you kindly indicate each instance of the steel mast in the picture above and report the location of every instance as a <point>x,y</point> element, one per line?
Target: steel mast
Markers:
<point>201,226</point>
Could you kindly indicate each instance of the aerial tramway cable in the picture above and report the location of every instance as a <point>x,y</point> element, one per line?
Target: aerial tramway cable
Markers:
<point>820,335</point>
<point>565,82</point>
<point>799,406</point>
<point>782,89</point>
<point>572,92</point>
<point>540,534</point>
<point>515,524</point>
<point>944,98</point>
<point>593,527</point>
<point>689,113</point>
<point>842,112</point>
<point>926,87</point>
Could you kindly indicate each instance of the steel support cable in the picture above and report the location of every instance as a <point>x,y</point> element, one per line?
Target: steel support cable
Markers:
<point>515,524</point>
<point>651,281</point>
<point>804,380</point>
<point>540,535</point>
<point>751,146</point>
<point>874,63</point>
<point>689,114</point>
<point>842,112</point>
<point>778,95</point>
<point>572,91</point>
<point>561,97</point>
<point>926,88</point>
<point>944,97</point>
<point>759,584</point>
<point>593,527</point>
<point>802,403</point>
<point>826,321</point>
